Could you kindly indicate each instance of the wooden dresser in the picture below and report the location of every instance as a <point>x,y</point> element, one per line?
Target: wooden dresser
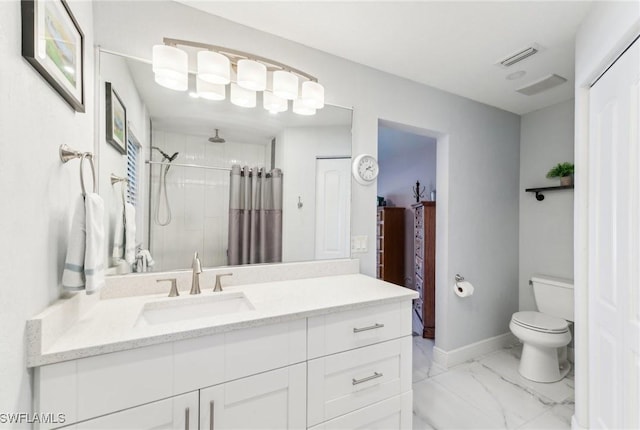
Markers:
<point>424,229</point>
<point>390,244</point>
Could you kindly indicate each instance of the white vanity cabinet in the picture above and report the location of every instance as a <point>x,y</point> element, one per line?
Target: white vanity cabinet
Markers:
<point>338,370</point>
<point>271,400</point>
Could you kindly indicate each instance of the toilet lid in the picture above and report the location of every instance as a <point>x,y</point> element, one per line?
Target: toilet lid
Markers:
<point>539,321</point>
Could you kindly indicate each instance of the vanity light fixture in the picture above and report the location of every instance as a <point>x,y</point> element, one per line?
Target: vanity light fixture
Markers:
<point>245,73</point>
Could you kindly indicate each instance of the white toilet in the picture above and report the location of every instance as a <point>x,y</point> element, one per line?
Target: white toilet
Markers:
<point>545,334</point>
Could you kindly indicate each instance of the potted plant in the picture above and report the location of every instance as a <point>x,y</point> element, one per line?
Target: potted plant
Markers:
<point>564,171</point>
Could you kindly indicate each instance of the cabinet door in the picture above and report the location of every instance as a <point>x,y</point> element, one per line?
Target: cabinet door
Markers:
<point>270,400</point>
<point>174,413</point>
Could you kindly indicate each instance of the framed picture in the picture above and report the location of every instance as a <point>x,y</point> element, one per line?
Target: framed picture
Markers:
<point>53,43</point>
<point>116,119</point>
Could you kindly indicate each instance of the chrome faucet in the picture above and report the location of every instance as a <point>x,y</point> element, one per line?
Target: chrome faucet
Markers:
<point>195,277</point>
<point>218,286</point>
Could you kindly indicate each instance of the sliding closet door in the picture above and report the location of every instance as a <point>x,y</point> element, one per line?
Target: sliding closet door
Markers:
<point>614,246</point>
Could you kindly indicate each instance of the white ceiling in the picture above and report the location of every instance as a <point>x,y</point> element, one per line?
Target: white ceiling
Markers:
<point>450,45</point>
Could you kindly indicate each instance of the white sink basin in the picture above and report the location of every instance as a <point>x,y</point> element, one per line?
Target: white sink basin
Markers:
<point>194,307</point>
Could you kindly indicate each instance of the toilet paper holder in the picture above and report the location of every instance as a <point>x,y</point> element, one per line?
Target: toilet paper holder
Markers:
<point>459,278</point>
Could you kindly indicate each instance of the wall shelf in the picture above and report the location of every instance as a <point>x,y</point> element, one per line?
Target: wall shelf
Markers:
<point>538,191</point>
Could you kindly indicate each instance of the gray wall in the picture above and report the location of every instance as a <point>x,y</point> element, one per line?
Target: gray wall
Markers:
<point>39,191</point>
<point>546,227</point>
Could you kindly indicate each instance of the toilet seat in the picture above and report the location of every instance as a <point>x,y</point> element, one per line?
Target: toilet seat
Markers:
<point>540,322</point>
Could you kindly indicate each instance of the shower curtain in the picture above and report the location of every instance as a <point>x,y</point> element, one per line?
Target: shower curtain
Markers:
<point>255,216</point>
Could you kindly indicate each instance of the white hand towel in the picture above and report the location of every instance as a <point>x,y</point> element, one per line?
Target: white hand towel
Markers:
<point>129,233</point>
<point>84,265</point>
<point>94,253</point>
<point>73,274</point>
<point>118,236</point>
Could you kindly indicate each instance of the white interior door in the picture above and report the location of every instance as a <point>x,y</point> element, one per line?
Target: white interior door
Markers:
<point>614,241</point>
<point>333,202</point>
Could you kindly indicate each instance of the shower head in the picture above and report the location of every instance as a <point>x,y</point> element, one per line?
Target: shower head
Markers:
<point>216,138</point>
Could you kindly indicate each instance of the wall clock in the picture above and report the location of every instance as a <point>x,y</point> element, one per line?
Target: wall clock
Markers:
<point>365,169</point>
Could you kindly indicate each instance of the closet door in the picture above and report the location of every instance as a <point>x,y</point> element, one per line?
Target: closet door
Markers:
<point>614,245</point>
<point>271,400</point>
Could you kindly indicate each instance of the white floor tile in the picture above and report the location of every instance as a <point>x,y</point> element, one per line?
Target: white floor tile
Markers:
<point>505,362</point>
<point>442,409</point>
<point>558,417</point>
<point>422,358</point>
<point>489,392</point>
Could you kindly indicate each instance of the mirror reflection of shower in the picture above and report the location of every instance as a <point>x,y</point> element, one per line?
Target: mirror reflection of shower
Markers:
<point>163,198</point>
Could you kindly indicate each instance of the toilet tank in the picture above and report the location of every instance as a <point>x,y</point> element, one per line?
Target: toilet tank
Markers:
<point>554,296</point>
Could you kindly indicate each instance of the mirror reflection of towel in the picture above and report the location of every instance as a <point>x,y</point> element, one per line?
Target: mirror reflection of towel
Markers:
<point>124,234</point>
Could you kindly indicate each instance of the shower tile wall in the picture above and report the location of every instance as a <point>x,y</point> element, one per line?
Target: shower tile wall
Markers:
<point>199,198</point>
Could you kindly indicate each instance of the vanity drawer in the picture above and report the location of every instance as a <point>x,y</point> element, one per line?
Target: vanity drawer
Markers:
<point>391,414</point>
<point>341,383</point>
<point>342,331</point>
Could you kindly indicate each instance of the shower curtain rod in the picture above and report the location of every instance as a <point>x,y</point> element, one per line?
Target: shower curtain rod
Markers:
<point>197,166</point>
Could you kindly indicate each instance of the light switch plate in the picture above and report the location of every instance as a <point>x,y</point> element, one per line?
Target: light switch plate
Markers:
<point>359,243</point>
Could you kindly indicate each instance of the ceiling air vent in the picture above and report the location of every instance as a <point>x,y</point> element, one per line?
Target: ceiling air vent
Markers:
<point>541,85</point>
<point>519,56</point>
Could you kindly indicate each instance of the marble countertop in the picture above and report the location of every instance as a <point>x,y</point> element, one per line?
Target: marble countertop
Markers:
<point>115,324</point>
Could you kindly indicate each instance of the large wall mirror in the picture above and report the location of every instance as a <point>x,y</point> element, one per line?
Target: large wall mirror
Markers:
<point>180,154</point>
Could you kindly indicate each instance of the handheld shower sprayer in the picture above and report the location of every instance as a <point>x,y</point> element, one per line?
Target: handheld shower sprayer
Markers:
<point>163,198</point>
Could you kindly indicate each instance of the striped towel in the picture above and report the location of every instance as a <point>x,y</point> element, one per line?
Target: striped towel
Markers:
<point>84,265</point>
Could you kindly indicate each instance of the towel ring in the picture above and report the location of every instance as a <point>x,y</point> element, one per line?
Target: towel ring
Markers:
<point>93,172</point>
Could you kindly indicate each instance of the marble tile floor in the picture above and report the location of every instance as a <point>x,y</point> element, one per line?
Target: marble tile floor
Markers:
<point>486,393</point>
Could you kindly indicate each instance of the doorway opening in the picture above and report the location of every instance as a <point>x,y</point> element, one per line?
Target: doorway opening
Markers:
<point>406,230</point>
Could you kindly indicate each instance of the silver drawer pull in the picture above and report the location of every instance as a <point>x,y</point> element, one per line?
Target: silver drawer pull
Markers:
<point>371,327</point>
<point>186,419</point>
<point>211,405</point>
<point>375,375</point>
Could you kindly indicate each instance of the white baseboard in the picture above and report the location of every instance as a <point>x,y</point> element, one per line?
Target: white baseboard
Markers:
<point>457,356</point>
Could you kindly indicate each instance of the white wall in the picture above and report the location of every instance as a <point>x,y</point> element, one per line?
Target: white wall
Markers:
<point>297,149</point>
<point>114,69</point>
<point>199,198</point>
<point>39,192</point>
<point>405,158</point>
<point>480,155</point>
<point>605,32</point>
<point>546,227</point>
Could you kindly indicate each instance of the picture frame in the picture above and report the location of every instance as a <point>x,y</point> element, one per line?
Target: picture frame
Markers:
<point>53,43</point>
<point>116,119</point>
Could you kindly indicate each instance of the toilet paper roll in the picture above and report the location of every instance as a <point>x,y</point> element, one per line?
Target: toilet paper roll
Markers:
<point>463,289</point>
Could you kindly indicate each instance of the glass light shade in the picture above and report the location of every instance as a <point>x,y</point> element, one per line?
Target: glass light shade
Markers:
<point>285,85</point>
<point>210,91</point>
<point>252,75</point>
<point>273,103</point>
<point>171,68</point>
<point>312,94</point>
<point>214,68</point>
<point>302,108</point>
<point>242,97</point>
